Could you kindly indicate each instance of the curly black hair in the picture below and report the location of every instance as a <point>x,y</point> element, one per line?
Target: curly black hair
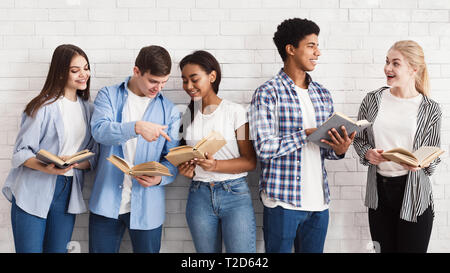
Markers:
<point>292,31</point>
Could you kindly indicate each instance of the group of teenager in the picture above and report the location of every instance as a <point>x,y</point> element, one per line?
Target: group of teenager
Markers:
<point>135,121</point>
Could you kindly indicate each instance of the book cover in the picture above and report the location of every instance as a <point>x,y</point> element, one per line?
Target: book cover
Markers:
<point>336,121</point>
<point>151,168</point>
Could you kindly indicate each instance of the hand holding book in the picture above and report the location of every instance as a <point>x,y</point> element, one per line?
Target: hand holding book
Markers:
<point>209,144</point>
<point>64,162</point>
<point>374,156</point>
<point>148,181</point>
<point>336,121</point>
<point>187,169</point>
<point>339,143</point>
<point>208,163</point>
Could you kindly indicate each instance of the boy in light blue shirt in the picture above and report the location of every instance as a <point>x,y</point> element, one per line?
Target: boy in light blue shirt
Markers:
<point>133,120</point>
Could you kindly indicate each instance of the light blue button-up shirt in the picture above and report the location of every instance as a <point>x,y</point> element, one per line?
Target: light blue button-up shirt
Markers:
<point>33,189</point>
<point>147,204</point>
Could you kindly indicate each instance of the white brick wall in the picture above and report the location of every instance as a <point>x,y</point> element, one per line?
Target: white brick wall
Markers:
<point>355,36</point>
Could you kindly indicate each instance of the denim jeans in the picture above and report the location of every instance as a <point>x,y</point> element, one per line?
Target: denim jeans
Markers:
<point>221,210</point>
<point>105,235</point>
<point>33,234</point>
<point>283,228</point>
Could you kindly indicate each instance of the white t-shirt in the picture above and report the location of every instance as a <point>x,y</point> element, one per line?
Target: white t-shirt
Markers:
<point>394,127</point>
<point>74,127</point>
<point>133,110</point>
<point>312,192</point>
<point>226,119</point>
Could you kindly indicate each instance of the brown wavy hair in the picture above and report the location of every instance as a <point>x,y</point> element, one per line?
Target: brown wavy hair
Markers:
<point>57,77</point>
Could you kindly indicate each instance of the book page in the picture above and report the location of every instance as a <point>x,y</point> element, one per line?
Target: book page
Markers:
<point>363,123</point>
<point>400,158</point>
<point>120,163</point>
<point>426,154</point>
<point>151,168</point>
<point>184,147</point>
<point>80,157</point>
<point>77,154</point>
<point>49,156</point>
<point>344,117</point>
<point>401,151</point>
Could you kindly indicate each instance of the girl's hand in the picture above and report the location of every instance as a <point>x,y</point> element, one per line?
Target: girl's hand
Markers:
<point>147,181</point>
<point>187,169</point>
<point>413,169</point>
<point>51,169</point>
<point>208,164</point>
<point>374,156</point>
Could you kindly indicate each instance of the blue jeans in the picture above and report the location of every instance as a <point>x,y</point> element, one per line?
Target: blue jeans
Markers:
<point>33,234</point>
<point>306,230</point>
<point>105,235</point>
<point>221,210</point>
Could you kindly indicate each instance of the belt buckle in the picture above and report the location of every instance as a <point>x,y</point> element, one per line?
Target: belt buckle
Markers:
<point>211,184</point>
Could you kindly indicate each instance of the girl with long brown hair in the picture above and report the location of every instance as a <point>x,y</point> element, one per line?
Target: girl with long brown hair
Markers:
<point>44,197</point>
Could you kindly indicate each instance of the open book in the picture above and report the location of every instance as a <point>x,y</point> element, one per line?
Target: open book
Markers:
<point>209,144</point>
<point>420,158</point>
<point>49,158</point>
<point>151,168</point>
<point>336,121</point>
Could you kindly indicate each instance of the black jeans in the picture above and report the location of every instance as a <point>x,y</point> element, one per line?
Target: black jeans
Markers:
<point>388,230</point>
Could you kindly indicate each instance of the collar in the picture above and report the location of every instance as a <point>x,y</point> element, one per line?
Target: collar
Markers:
<point>288,81</point>
<point>124,84</point>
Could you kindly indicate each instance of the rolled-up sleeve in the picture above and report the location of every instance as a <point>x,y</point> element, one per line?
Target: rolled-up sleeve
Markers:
<point>263,122</point>
<point>361,141</point>
<point>173,132</point>
<point>434,139</point>
<point>105,129</point>
<point>27,141</point>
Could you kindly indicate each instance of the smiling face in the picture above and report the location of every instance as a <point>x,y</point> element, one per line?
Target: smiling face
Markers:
<point>79,74</point>
<point>397,70</point>
<point>196,82</point>
<point>307,53</point>
<point>147,84</point>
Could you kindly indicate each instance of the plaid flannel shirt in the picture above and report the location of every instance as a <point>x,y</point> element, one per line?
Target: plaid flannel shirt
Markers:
<point>276,128</point>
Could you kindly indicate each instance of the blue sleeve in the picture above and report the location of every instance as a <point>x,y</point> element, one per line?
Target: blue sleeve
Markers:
<point>263,123</point>
<point>28,139</point>
<point>104,127</point>
<point>173,132</point>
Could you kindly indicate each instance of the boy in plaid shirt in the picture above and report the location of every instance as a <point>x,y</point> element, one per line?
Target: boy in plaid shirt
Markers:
<point>283,112</point>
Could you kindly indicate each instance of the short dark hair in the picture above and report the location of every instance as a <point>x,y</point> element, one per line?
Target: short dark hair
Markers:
<point>291,32</point>
<point>154,60</point>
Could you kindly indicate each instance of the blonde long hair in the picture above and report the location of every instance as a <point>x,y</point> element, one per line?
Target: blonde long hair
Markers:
<point>414,55</point>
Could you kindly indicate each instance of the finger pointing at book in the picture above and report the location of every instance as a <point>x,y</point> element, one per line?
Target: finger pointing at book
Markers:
<point>151,131</point>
